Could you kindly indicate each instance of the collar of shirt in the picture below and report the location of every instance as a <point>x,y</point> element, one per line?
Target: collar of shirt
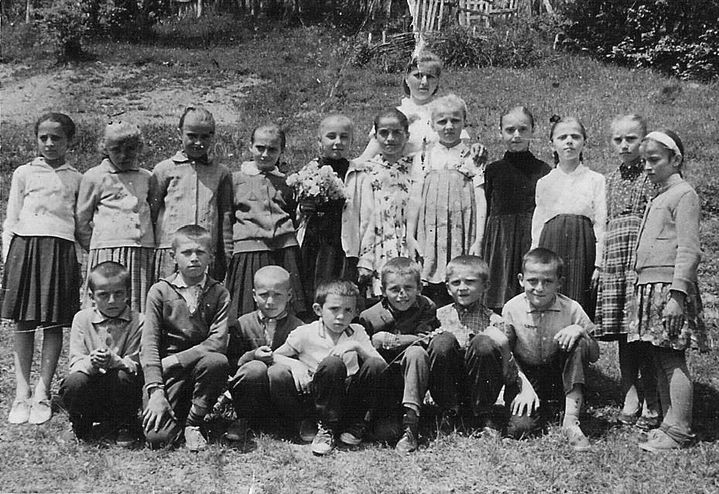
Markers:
<point>671,182</point>
<point>630,171</point>
<point>263,318</point>
<point>555,307</point>
<point>394,312</point>
<point>179,281</point>
<point>323,331</point>
<point>470,309</point>
<point>111,168</point>
<point>181,157</point>
<point>98,317</point>
<point>579,170</point>
<point>40,161</point>
<point>250,168</point>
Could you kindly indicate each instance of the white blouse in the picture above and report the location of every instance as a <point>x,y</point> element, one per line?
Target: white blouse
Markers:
<point>580,192</point>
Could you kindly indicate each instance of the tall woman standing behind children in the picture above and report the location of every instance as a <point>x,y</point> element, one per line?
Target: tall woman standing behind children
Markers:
<point>628,192</point>
<point>509,185</point>
<point>113,215</point>
<point>570,217</point>
<point>192,189</point>
<point>42,275</point>
<point>667,307</point>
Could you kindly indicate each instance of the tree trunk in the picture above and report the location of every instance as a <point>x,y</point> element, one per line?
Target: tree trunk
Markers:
<point>28,10</point>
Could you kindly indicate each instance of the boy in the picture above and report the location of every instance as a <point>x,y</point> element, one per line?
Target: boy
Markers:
<point>470,359</point>
<point>103,383</point>
<point>400,324</point>
<point>336,367</point>
<point>549,335</point>
<point>252,342</point>
<point>184,343</point>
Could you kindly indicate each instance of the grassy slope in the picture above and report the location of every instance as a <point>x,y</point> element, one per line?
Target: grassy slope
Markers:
<point>301,75</point>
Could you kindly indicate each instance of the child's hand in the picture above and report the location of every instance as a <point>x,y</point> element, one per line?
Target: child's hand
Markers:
<point>308,206</point>
<point>673,315</point>
<point>385,340</point>
<point>157,412</point>
<point>302,376</point>
<point>526,400</point>
<point>595,278</point>
<point>364,275</point>
<point>567,337</point>
<point>480,154</point>
<point>476,248</point>
<point>169,362</point>
<point>344,347</point>
<point>414,251</point>
<point>100,358</point>
<point>264,354</point>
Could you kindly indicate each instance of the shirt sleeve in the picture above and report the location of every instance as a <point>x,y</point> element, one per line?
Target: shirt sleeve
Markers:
<point>541,212</point>
<point>687,216</point>
<point>151,338</point>
<point>364,341</point>
<point>130,359</point>
<point>14,206</point>
<point>87,200</point>
<point>157,192</point>
<point>600,218</point>
<point>79,353</point>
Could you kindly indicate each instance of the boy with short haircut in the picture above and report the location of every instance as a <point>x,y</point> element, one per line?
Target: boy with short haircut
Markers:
<point>470,359</point>
<point>333,363</point>
<point>104,383</point>
<point>184,344</point>
<point>400,325</point>
<point>550,338</point>
<point>252,342</point>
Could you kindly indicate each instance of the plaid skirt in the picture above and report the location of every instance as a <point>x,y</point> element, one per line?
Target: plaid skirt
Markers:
<point>138,261</point>
<point>41,282</point>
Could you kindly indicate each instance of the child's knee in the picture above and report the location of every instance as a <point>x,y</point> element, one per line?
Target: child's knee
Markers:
<point>252,371</point>
<point>587,350</point>
<point>331,365</point>
<point>74,385</point>
<point>416,354</point>
<point>214,364</point>
<point>443,344</point>
<point>374,366</point>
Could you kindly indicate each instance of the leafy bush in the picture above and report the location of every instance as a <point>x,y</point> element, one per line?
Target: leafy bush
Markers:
<point>66,26</point>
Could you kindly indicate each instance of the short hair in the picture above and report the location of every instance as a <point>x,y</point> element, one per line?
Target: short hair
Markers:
<point>676,139</point>
<point>517,109</point>
<point>272,129</point>
<point>540,255</point>
<point>633,117</point>
<point>401,266</point>
<point>340,288</point>
<point>68,126</point>
<point>193,232</point>
<point>451,101</point>
<point>203,114</point>
<point>273,272</point>
<point>121,131</point>
<point>474,262</point>
<point>335,117</point>
<point>392,113</point>
<point>109,269</point>
<point>428,59</point>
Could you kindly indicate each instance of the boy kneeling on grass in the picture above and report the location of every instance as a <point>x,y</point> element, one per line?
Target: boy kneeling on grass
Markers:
<point>336,369</point>
<point>104,384</point>
<point>184,344</point>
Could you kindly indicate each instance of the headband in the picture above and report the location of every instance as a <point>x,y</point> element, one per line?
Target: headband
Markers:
<point>664,139</point>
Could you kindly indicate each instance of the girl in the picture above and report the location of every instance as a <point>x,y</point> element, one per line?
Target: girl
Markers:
<point>448,204</point>
<point>191,188</point>
<point>510,185</point>
<point>264,228</point>
<point>628,192</point>
<point>571,212</point>
<point>667,308</point>
<point>113,215</point>
<point>42,276</point>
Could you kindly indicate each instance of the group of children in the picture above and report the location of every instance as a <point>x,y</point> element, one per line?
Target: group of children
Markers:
<point>199,279</point>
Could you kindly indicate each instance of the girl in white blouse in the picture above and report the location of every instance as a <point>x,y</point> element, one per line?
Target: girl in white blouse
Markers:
<point>571,212</point>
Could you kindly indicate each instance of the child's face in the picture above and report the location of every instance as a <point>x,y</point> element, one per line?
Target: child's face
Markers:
<point>52,142</point>
<point>626,138</point>
<point>659,162</point>
<point>568,141</point>
<point>422,83</point>
<point>110,295</point>
<point>540,283</point>
<point>337,312</point>
<point>192,258</point>
<point>196,135</point>
<point>271,296</point>
<point>266,150</point>
<point>516,131</point>
<point>335,139</point>
<point>448,123</point>
<point>123,152</point>
<point>401,290</point>
<point>465,285</point>
<point>391,136</point>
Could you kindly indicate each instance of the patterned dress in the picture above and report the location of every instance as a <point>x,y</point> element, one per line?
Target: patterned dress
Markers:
<point>628,192</point>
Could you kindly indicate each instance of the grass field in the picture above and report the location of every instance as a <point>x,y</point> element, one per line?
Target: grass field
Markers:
<point>286,76</point>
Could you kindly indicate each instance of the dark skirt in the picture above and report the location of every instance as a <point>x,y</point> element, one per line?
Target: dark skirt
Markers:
<point>571,237</point>
<point>241,273</point>
<point>507,238</point>
<point>41,282</point>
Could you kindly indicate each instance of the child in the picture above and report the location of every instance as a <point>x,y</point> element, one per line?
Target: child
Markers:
<point>334,365</point>
<point>113,215</point>
<point>667,308</point>
<point>509,185</point>
<point>628,192</point>
<point>549,336</point>
<point>184,342</point>
<point>42,277</point>
<point>330,244</point>
<point>252,342</point>
<point>448,203</point>
<point>264,228</point>
<point>470,359</point>
<point>191,188</point>
<point>103,383</point>
<point>571,212</point>
<point>400,325</point>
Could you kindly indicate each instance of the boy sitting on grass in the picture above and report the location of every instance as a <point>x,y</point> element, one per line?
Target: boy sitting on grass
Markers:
<point>549,335</point>
<point>252,342</point>
<point>332,364</point>
<point>184,343</point>
<point>103,384</point>
<point>400,325</point>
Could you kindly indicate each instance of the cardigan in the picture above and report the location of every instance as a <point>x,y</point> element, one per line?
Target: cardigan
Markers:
<point>420,318</point>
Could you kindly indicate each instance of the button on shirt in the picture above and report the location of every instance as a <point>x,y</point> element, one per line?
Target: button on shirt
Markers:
<point>531,331</point>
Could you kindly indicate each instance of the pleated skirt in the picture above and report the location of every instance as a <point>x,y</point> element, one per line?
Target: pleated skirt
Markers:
<point>139,261</point>
<point>41,282</point>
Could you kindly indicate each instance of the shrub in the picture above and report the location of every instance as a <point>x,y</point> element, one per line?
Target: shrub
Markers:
<point>66,26</point>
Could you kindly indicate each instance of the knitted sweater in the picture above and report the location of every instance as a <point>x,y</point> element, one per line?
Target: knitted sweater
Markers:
<point>421,317</point>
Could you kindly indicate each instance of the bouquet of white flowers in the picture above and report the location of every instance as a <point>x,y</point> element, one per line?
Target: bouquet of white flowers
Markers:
<point>319,183</point>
